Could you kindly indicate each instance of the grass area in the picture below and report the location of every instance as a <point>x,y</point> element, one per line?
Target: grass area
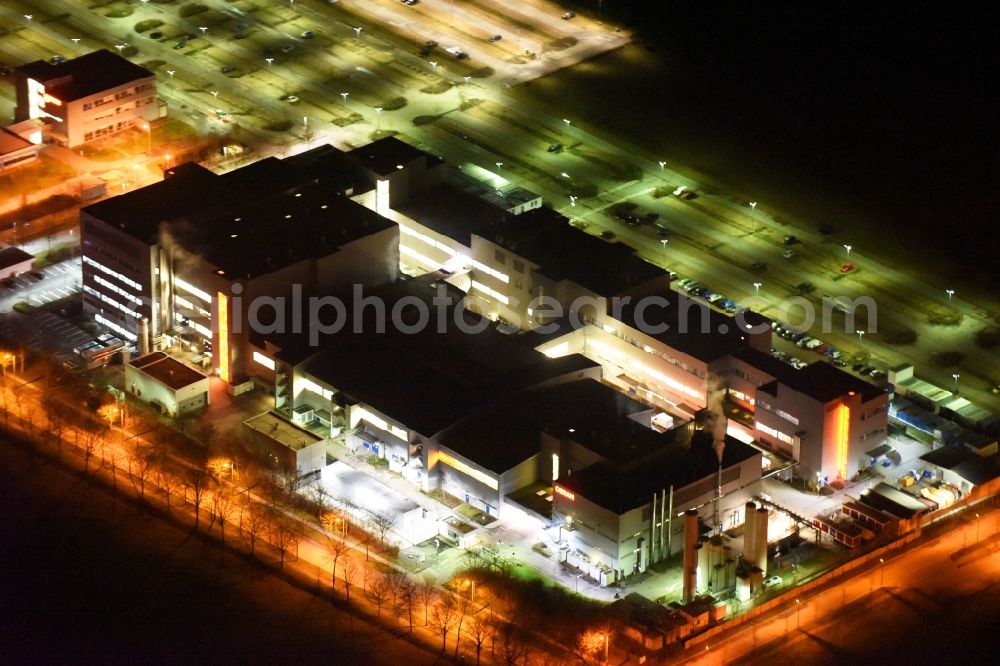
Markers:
<point>60,252</point>
<point>119,10</point>
<point>191,9</point>
<point>173,130</point>
<point>38,175</point>
<point>100,153</point>
<point>37,209</point>
<point>147,25</point>
<point>988,338</point>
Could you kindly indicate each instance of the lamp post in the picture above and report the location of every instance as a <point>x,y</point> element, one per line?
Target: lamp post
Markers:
<point>663,242</point>
<point>950,292</point>
<point>955,377</point>
<point>798,610</point>
<point>344,96</point>
<point>881,572</point>
<point>572,200</point>
<point>203,29</point>
<point>170,73</point>
<point>378,118</point>
<point>149,138</point>
<point>977,529</point>
<point>753,213</point>
<point>757,286</point>
<point>662,164</point>
<point>861,334</point>
<point>434,65</point>
<point>357,33</point>
<point>848,248</point>
<point>269,61</point>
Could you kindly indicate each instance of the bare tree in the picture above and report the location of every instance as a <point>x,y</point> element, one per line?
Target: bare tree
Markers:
<point>462,607</point>
<point>396,580</point>
<point>350,577</point>
<point>408,597</point>
<point>283,537</point>
<point>426,592</point>
<point>507,641</point>
<point>170,484</point>
<point>90,440</point>
<point>480,630</point>
<point>336,549</point>
<point>381,522</point>
<point>223,507</point>
<point>140,466</point>
<point>115,458</point>
<point>379,591</point>
<point>253,523</point>
<point>198,486</point>
<point>444,618</point>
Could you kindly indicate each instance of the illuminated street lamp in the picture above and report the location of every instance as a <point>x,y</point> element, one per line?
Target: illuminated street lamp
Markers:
<point>203,29</point>
<point>434,65</point>
<point>344,95</point>
<point>269,61</point>
<point>753,213</point>
<point>566,120</point>
<point>955,377</point>
<point>950,292</point>
<point>120,47</point>
<point>861,334</point>
<point>757,286</point>
<point>572,200</point>
<point>378,118</point>
<point>149,138</point>
<point>881,572</point>
<point>848,248</point>
<point>467,79</point>
<point>977,529</point>
<point>170,73</point>
<point>29,16</point>
<point>357,32</point>
<point>75,40</point>
<point>215,94</point>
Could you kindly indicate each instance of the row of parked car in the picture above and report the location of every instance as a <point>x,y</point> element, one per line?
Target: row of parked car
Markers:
<point>698,290</point>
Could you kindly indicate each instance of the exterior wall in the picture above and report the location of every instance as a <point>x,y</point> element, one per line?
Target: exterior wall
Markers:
<point>310,458</point>
<point>112,111</point>
<point>625,541</point>
<point>743,380</point>
<point>642,360</point>
<point>425,249</point>
<point>149,390</point>
<point>117,271</point>
<point>474,484</point>
<point>524,474</point>
<point>817,439</point>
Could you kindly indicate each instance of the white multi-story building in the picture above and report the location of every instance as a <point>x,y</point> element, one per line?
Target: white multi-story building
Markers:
<point>86,98</point>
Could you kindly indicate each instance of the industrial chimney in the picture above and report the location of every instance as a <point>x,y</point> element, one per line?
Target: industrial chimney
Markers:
<point>750,532</point>
<point>760,541</point>
<point>690,554</point>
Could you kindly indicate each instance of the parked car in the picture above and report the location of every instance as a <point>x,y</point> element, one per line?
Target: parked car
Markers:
<point>307,34</point>
<point>555,147</point>
<point>607,235</point>
<point>847,267</point>
<point>788,254</point>
<point>227,69</point>
<point>569,15</point>
<point>790,240</point>
<point>496,38</point>
<point>38,275</point>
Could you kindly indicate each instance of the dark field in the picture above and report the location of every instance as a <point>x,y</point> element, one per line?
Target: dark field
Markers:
<point>84,579</point>
<point>882,123</point>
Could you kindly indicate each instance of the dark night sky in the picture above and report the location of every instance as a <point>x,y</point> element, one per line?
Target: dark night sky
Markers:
<point>896,108</point>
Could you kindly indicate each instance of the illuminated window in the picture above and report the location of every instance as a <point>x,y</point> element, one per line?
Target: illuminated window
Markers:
<point>453,462</point>
<point>555,466</point>
<point>191,289</point>
<point>223,312</point>
<point>263,360</point>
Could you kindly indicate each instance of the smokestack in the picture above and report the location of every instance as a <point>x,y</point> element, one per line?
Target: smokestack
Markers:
<point>690,554</point>
<point>750,532</point>
<point>143,336</point>
<point>704,564</point>
<point>760,541</point>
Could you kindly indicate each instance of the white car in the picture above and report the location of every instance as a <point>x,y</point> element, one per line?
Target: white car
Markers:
<point>772,581</point>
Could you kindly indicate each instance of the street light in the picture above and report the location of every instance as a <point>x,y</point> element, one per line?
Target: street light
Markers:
<point>881,572</point>
<point>950,292</point>
<point>566,120</point>
<point>215,94</point>
<point>357,32</point>
<point>434,65</point>
<point>378,118</point>
<point>344,95</point>
<point>269,61</point>
<point>848,248</point>
<point>119,47</point>
<point>203,29</point>
<point>75,40</point>
<point>860,333</point>
<point>977,529</point>
<point>798,609</point>
<point>955,376</point>
<point>572,200</point>
<point>753,213</point>
<point>170,73</point>
<point>757,286</point>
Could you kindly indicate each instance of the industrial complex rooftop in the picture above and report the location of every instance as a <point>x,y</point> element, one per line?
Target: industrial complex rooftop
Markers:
<point>545,238</point>
<point>167,370</point>
<point>82,77</point>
